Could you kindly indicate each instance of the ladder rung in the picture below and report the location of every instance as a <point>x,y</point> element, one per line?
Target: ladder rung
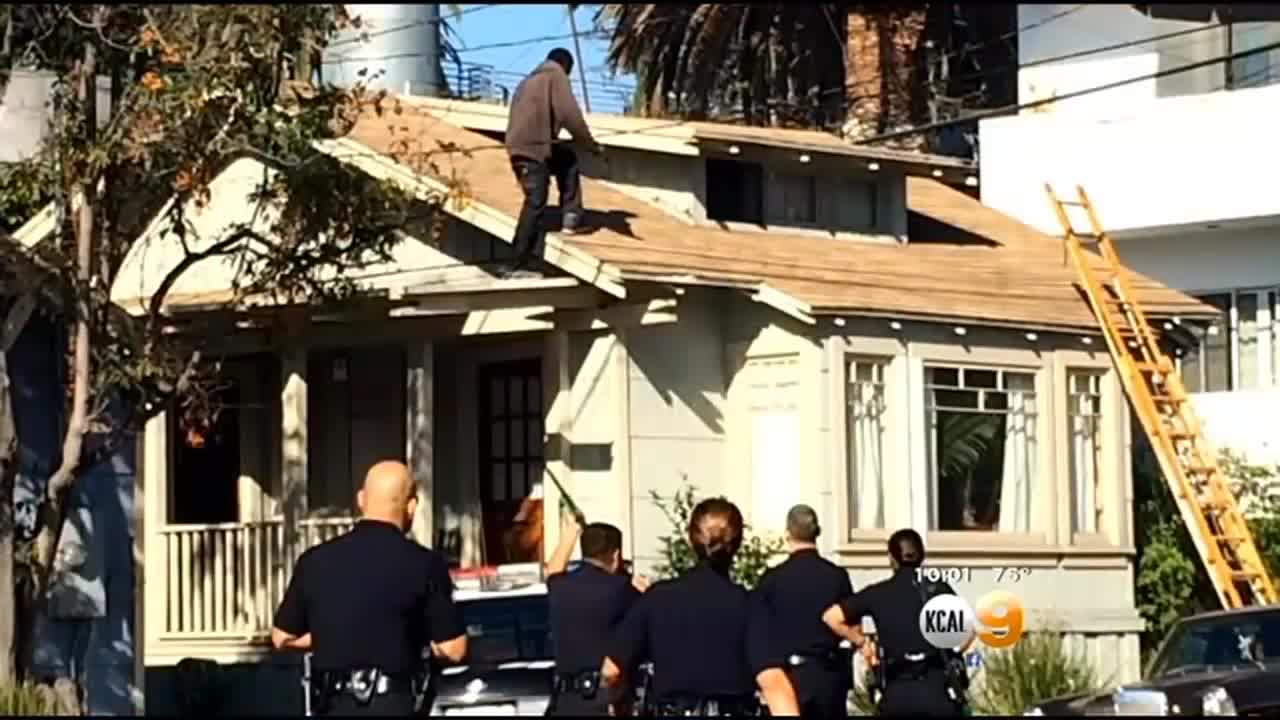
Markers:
<point>1245,575</point>
<point>1199,469</point>
<point>1230,539</point>
<point>1169,399</point>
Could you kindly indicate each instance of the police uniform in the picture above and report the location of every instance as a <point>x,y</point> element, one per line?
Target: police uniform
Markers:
<point>705,642</point>
<point>915,675</point>
<point>372,600</point>
<point>587,604</point>
<point>795,594</point>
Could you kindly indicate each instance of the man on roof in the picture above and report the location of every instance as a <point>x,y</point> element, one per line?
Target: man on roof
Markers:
<point>543,105</point>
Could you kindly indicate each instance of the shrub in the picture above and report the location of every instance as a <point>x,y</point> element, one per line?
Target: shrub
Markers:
<point>17,701</point>
<point>677,555</point>
<point>1039,667</point>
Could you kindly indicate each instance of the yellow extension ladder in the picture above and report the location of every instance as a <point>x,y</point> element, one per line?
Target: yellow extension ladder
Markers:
<point>1160,401</point>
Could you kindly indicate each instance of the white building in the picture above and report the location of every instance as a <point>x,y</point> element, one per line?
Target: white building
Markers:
<point>1179,169</point>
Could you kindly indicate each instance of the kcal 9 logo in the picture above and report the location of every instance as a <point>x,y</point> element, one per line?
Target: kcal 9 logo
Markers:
<point>948,622</point>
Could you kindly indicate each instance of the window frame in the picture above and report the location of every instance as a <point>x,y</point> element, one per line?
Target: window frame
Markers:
<point>1266,339</point>
<point>1042,441</point>
<point>1100,377</point>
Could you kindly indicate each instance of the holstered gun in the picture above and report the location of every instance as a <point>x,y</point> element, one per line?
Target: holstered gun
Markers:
<point>875,675</point>
<point>426,684</point>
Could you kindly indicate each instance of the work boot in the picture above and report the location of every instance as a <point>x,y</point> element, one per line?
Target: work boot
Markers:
<point>571,224</point>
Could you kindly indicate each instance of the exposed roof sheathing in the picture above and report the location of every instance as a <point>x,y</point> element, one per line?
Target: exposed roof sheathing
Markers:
<point>1021,279</point>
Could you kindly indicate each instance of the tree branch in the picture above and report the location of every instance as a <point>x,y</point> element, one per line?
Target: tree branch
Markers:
<point>156,306</point>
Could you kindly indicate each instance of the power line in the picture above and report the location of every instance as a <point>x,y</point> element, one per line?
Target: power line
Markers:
<point>994,112</point>
<point>364,37</point>
<point>530,41</point>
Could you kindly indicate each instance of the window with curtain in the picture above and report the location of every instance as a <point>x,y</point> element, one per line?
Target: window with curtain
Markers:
<point>866,424</point>
<point>983,445</point>
<point>1207,368</point>
<point>1084,422</point>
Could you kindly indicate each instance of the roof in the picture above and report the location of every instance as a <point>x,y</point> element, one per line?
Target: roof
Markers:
<point>1019,277</point>
<point>683,137</point>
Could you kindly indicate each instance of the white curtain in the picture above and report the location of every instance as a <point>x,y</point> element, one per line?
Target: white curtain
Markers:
<point>866,461</point>
<point>1016,491</point>
<point>1084,464</point>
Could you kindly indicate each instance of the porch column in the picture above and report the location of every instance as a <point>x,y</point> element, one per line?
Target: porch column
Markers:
<point>420,435</point>
<point>558,421</point>
<point>152,486</point>
<point>293,445</point>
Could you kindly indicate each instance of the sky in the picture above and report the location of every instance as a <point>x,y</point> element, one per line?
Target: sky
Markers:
<point>513,25</point>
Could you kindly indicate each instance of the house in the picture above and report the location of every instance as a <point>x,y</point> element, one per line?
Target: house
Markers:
<point>1171,164</point>
<point>772,315</point>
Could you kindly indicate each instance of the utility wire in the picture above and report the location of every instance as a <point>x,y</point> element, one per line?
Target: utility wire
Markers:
<point>994,112</point>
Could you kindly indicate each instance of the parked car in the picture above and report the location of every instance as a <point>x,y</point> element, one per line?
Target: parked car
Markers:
<point>509,664</point>
<point>1218,663</point>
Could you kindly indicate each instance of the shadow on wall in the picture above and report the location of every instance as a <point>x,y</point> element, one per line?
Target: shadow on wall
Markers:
<point>88,636</point>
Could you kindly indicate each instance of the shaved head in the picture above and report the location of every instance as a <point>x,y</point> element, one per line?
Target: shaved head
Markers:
<point>388,494</point>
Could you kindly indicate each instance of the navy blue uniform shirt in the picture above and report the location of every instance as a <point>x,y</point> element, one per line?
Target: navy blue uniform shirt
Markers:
<point>796,593</point>
<point>705,636</point>
<point>895,605</point>
<point>370,598</point>
<point>587,604</point>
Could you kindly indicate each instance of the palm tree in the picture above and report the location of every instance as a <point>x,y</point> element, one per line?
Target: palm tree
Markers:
<point>767,64</point>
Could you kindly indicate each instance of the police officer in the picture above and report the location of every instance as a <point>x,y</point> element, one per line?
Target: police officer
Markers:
<point>368,603</point>
<point>795,594</point>
<point>915,672</point>
<point>587,604</point>
<point>709,650</point>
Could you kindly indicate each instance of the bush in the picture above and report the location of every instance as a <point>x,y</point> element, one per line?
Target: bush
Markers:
<point>26,700</point>
<point>1039,667</point>
<point>677,555</point>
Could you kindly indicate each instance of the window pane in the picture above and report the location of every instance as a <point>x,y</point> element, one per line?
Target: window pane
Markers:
<point>535,439</point>
<point>865,445</point>
<point>515,400</point>
<point>533,397</point>
<point>1084,404</point>
<point>517,438</point>
<point>949,377</point>
<point>498,440</point>
<point>535,473</point>
<point>975,378</point>
<point>1273,302</point>
<point>518,489</point>
<point>1216,356</point>
<point>498,481</point>
<point>984,462</point>
<point>1247,319</point>
<point>1192,370</point>
<point>498,396</point>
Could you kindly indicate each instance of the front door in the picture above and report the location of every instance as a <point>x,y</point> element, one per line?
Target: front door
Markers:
<point>510,460</point>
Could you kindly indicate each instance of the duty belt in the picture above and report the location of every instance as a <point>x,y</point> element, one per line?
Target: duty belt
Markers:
<point>747,706</point>
<point>362,684</point>
<point>912,665</point>
<point>585,684</point>
<point>829,660</point>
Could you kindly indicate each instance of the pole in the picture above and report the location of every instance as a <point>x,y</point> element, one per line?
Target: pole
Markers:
<point>582,65</point>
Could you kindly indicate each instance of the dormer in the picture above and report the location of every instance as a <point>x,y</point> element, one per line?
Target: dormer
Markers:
<point>747,179</point>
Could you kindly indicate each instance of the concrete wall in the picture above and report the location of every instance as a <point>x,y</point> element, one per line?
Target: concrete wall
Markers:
<point>25,112</point>
<point>1100,25</point>
<point>1174,161</point>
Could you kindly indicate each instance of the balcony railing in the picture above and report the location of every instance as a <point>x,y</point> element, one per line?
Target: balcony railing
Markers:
<point>225,580</point>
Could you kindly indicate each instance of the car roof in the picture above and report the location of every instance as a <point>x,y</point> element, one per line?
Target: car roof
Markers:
<point>1214,614</point>
<point>470,595</point>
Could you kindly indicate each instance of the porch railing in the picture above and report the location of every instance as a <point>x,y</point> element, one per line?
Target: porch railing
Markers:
<point>225,580</point>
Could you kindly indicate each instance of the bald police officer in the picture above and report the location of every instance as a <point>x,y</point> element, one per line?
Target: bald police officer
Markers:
<point>587,604</point>
<point>710,651</point>
<point>368,603</point>
<point>915,672</point>
<point>795,594</point>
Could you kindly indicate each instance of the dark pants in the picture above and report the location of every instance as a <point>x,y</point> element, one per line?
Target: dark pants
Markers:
<point>571,704</point>
<point>392,704</point>
<point>535,180</point>
<point>925,695</point>
<point>823,692</point>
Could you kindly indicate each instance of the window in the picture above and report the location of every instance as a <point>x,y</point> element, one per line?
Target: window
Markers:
<point>1084,421</point>
<point>1240,351</point>
<point>735,191</point>
<point>983,448</point>
<point>866,428</point>
<point>502,630</point>
<point>1260,68</point>
<point>797,199</point>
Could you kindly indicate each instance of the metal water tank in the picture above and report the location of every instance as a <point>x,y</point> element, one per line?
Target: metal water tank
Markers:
<point>398,47</point>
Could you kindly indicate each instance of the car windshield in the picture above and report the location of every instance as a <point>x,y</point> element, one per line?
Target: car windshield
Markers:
<point>1220,642</point>
<point>507,629</point>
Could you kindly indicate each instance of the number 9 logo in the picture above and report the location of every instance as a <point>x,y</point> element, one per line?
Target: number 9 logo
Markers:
<point>1000,619</point>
